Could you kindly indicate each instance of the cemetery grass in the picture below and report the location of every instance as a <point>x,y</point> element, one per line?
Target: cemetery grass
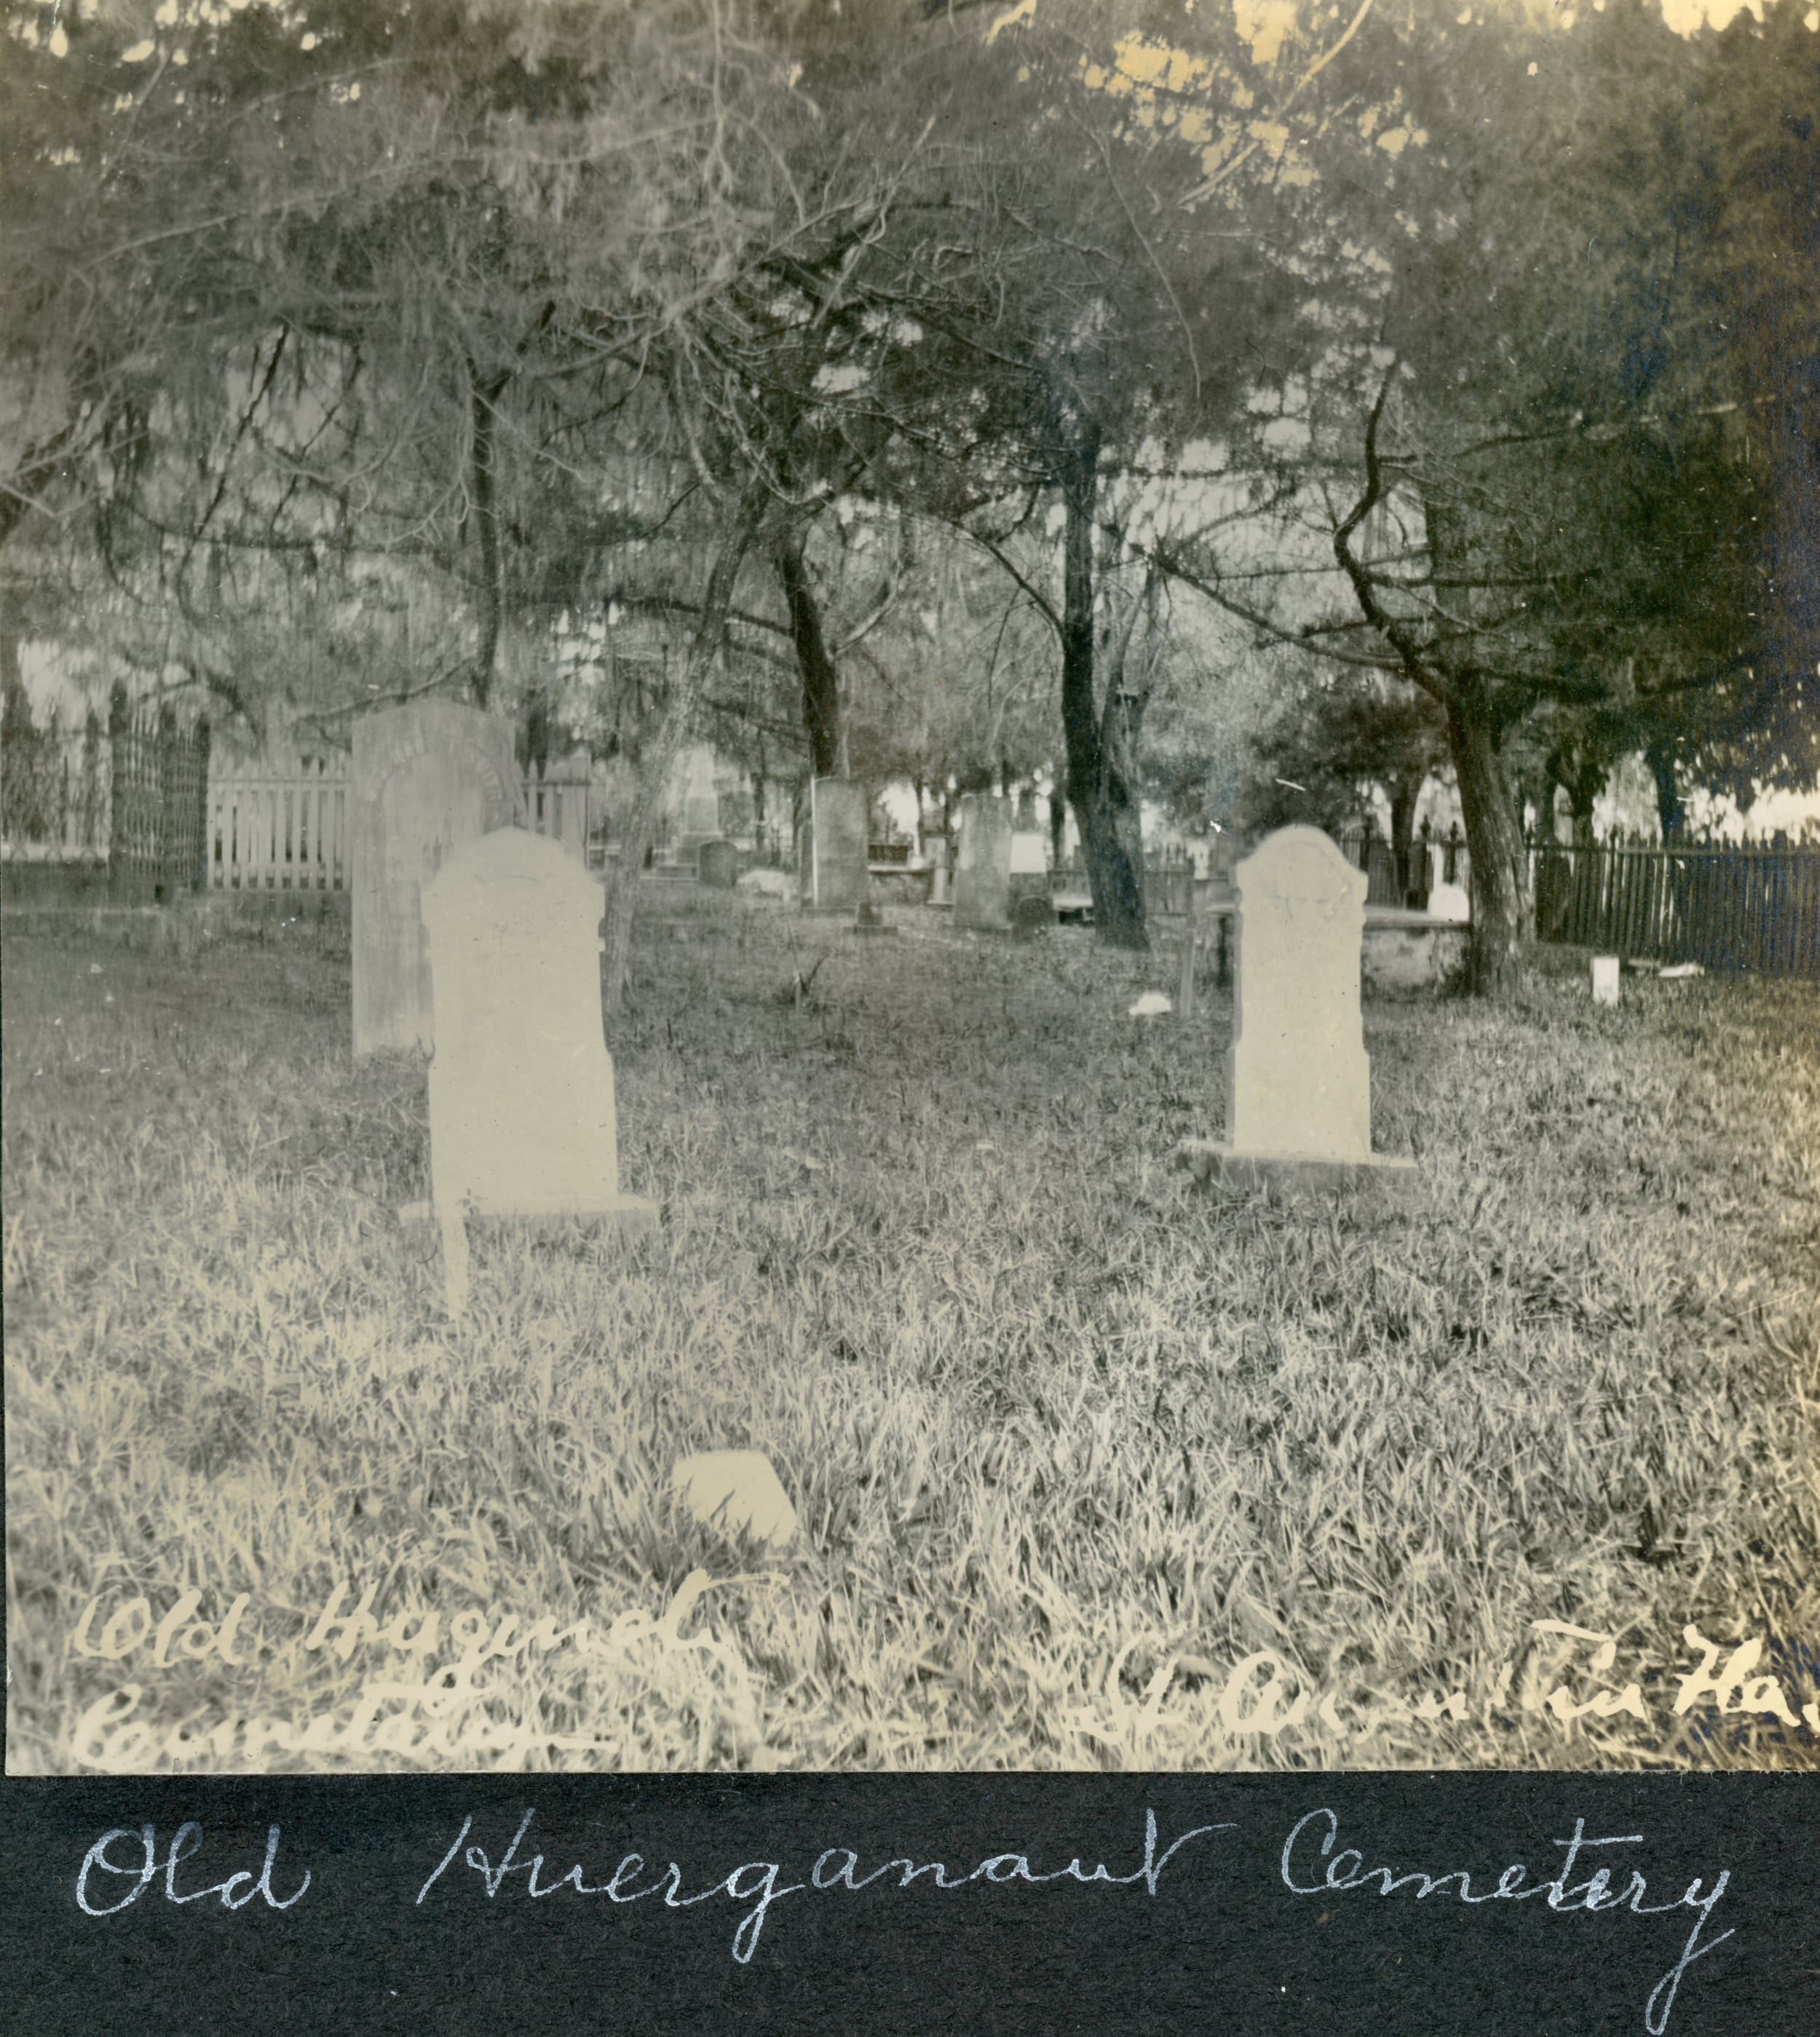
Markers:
<point>1070,1436</point>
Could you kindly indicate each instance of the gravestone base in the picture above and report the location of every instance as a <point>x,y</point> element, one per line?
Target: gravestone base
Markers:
<point>1211,1161</point>
<point>631,1216</point>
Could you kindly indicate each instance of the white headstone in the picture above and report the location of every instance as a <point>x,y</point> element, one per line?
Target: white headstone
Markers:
<point>1298,1081</point>
<point>521,1101</point>
<point>1605,979</point>
<point>1297,1078</point>
<point>1451,902</point>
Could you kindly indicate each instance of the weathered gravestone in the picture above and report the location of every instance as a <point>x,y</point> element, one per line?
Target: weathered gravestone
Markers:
<point>982,867</point>
<point>700,802</point>
<point>1605,979</point>
<point>717,865</point>
<point>1298,1081</point>
<point>425,777</point>
<point>938,861</point>
<point>521,1107</point>
<point>832,877</point>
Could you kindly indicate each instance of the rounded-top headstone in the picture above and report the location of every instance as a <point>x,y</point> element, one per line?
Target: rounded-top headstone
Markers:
<point>717,864</point>
<point>1298,1080</point>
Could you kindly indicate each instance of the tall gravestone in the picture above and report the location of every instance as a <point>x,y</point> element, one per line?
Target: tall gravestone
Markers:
<point>1298,1081</point>
<point>982,867</point>
<point>700,802</point>
<point>521,1102</point>
<point>425,777</point>
<point>832,872</point>
<point>1029,868</point>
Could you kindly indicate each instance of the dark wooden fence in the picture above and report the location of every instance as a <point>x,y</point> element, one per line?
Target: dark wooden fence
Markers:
<point>132,800</point>
<point>1723,906</point>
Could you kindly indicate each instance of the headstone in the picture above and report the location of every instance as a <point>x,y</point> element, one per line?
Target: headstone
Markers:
<point>1029,871</point>
<point>1450,902</point>
<point>1031,915</point>
<point>832,875</point>
<point>938,884</point>
<point>425,777</point>
<point>1298,1082</point>
<point>1605,979</point>
<point>738,1492</point>
<point>700,802</point>
<point>521,1104</point>
<point>717,865</point>
<point>982,868</point>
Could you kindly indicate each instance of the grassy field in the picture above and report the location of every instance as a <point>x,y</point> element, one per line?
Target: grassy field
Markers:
<point>1070,1437</point>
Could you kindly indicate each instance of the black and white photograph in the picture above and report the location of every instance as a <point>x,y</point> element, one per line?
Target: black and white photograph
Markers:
<point>894,887</point>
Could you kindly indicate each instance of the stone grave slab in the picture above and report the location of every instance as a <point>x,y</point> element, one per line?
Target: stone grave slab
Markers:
<point>717,865</point>
<point>1298,1081</point>
<point>1031,915</point>
<point>982,866</point>
<point>832,877</point>
<point>521,1099</point>
<point>1606,979</point>
<point>425,777</point>
<point>738,1492</point>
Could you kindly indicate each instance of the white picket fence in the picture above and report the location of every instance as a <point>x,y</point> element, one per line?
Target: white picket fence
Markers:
<point>281,825</point>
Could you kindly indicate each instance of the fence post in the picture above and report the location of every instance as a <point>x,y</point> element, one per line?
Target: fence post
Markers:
<point>119,788</point>
<point>169,848</point>
<point>201,843</point>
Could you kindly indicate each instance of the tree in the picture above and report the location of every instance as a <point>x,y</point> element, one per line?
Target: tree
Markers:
<point>1544,516</point>
<point>1341,734</point>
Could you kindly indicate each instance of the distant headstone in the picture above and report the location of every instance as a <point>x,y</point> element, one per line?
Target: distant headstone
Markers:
<point>939,883</point>
<point>832,875</point>
<point>1605,979</point>
<point>425,777</point>
<point>521,1103</point>
<point>982,868</point>
<point>738,1492</point>
<point>1029,856</point>
<point>717,865</point>
<point>765,884</point>
<point>700,802</point>
<point>1298,1082</point>
<point>1451,902</point>
<point>1030,915</point>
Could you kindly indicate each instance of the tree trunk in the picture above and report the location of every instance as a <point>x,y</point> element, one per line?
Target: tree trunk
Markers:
<point>1668,793</point>
<point>1100,789</point>
<point>486,533</point>
<point>820,680</point>
<point>660,753</point>
<point>1404,792</point>
<point>1501,904</point>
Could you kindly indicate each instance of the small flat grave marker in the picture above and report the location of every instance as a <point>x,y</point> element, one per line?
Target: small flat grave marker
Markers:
<point>1298,1081</point>
<point>521,1101</point>
<point>738,1492</point>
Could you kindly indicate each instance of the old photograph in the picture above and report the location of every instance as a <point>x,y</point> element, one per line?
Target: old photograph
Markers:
<point>898,885</point>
